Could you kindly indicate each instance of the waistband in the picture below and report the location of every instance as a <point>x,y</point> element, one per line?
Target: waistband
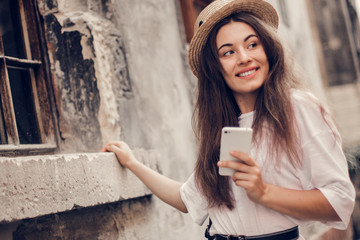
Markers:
<point>288,234</point>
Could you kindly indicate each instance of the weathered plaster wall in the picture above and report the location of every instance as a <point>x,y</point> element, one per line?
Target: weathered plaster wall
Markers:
<point>163,116</point>
<point>118,221</point>
<point>118,74</point>
<point>86,53</point>
<point>161,99</point>
<point>40,185</point>
<point>75,196</point>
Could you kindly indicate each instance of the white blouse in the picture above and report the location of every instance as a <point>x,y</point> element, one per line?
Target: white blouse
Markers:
<point>324,167</point>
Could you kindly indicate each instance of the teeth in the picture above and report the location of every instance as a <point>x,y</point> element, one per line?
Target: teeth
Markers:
<point>246,73</point>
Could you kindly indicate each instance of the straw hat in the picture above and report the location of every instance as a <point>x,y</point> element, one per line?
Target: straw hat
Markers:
<point>218,10</point>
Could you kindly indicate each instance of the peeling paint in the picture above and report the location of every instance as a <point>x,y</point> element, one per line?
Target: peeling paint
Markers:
<point>77,89</point>
<point>112,79</point>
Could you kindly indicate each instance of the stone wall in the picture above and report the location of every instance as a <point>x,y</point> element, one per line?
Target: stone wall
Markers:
<point>118,73</point>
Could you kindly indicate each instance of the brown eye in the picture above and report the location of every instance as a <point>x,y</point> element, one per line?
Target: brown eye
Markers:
<point>253,45</point>
<point>228,53</point>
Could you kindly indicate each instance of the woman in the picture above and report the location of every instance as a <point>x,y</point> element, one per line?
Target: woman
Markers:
<point>296,171</point>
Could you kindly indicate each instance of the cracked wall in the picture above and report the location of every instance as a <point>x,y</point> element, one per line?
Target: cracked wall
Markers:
<point>118,221</point>
<point>78,97</point>
<point>118,74</point>
<point>90,71</point>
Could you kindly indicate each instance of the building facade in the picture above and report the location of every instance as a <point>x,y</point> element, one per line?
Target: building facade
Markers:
<point>76,74</point>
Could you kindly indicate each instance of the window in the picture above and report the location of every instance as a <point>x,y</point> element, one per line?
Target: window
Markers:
<point>26,120</point>
<point>190,10</point>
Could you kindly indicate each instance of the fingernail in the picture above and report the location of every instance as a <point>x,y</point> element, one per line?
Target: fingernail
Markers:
<point>219,163</point>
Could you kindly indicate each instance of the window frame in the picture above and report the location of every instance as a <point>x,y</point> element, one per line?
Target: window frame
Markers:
<point>37,63</point>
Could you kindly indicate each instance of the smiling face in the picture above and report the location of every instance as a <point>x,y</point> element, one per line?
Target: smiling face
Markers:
<point>244,62</point>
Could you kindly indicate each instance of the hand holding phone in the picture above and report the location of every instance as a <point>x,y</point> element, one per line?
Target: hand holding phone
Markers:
<point>233,139</point>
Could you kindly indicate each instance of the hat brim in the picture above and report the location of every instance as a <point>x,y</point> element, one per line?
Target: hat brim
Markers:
<point>259,8</point>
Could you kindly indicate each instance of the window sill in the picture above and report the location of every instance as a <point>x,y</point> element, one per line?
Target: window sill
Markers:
<point>11,150</point>
<point>33,186</point>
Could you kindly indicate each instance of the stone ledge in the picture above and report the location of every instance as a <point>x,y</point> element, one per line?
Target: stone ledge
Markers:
<point>38,185</point>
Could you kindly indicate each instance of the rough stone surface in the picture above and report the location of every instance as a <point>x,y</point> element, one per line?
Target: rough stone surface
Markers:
<point>118,74</point>
<point>117,221</point>
<point>159,115</point>
<point>47,5</point>
<point>35,186</point>
<point>78,98</point>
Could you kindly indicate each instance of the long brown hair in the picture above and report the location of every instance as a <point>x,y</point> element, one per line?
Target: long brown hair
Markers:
<point>216,107</point>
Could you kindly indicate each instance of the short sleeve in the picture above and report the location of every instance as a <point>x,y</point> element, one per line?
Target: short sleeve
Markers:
<point>194,201</point>
<point>324,163</point>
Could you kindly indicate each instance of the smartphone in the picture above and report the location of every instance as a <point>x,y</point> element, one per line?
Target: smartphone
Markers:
<point>233,139</point>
